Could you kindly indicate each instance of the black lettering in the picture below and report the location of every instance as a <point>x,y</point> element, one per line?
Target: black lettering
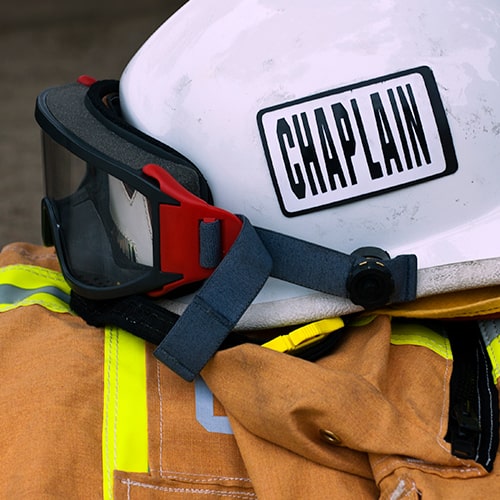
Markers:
<point>346,135</point>
<point>389,149</point>
<point>401,130</point>
<point>373,166</point>
<point>309,155</point>
<point>414,125</point>
<point>295,177</point>
<point>333,167</point>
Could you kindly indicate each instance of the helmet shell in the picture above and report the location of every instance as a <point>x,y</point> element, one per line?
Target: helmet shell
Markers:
<point>235,86</point>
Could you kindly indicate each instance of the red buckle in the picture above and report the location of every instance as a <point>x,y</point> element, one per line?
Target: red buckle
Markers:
<point>180,230</point>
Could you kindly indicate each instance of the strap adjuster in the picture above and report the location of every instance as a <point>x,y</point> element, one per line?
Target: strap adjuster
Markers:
<point>370,282</point>
<point>192,232</point>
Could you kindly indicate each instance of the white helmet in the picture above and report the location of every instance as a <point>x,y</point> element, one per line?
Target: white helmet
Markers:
<point>342,123</point>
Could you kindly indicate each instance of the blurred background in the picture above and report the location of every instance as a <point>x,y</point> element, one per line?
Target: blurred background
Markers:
<point>52,42</point>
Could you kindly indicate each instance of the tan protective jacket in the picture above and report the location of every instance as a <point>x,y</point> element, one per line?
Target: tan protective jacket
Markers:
<point>90,413</point>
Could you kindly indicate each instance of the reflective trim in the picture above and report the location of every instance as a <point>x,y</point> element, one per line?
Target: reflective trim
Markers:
<point>490,331</point>
<point>205,410</point>
<point>24,285</point>
<point>417,334</point>
<point>125,415</point>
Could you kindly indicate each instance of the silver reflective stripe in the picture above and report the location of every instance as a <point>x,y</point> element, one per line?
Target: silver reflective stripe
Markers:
<point>205,410</point>
<point>490,330</point>
<point>11,294</point>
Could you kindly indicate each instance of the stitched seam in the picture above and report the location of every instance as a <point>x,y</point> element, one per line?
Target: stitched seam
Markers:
<point>106,416</point>
<point>421,465</point>
<point>156,316</point>
<point>168,474</point>
<point>427,466</point>
<point>117,392</point>
<point>51,306</point>
<point>444,315</point>
<point>183,476</point>
<point>488,382</point>
<point>444,406</point>
<point>176,365</point>
<point>36,271</point>
<point>471,314</point>
<point>191,491</point>
<point>160,409</point>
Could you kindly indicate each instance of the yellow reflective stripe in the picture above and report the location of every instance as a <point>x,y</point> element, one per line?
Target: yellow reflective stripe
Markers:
<point>420,335</point>
<point>494,353</point>
<point>125,418</point>
<point>304,335</point>
<point>24,285</point>
<point>490,330</point>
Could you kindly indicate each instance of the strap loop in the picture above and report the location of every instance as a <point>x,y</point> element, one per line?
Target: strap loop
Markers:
<point>217,306</point>
<point>210,243</point>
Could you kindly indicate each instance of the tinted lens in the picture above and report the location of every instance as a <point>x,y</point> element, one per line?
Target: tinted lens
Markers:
<point>104,231</point>
<point>63,171</point>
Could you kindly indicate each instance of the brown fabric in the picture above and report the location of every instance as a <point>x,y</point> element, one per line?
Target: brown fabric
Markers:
<point>480,302</point>
<point>280,474</point>
<point>185,460</point>
<point>383,406</point>
<point>26,253</point>
<point>367,421</point>
<point>50,399</point>
<point>51,404</point>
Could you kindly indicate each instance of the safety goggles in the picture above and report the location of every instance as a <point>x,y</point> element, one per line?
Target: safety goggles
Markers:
<point>126,213</point>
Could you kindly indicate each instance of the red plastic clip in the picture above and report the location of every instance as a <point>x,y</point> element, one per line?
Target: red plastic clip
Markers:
<point>86,80</point>
<point>180,230</point>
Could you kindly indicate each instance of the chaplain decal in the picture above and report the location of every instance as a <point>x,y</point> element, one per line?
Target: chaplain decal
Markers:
<point>357,141</point>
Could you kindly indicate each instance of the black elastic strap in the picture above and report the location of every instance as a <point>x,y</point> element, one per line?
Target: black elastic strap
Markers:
<point>136,314</point>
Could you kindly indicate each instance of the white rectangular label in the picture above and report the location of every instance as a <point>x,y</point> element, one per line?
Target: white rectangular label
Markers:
<point>357,141</point>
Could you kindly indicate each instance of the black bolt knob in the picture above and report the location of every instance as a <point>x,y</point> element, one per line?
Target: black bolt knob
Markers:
<point>370,282</point>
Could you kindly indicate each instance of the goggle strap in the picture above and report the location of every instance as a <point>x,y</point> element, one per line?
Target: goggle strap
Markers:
<point>137,314</point>
<point>328,271</point>
<point>218,306</point>
<point>255,255</point>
